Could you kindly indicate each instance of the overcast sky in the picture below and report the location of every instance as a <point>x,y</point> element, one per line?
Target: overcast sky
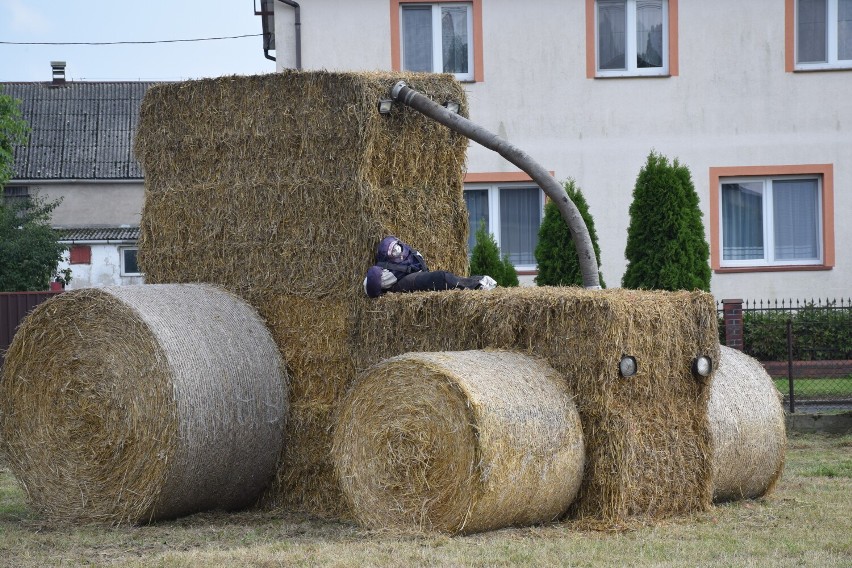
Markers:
<point>144,20</point>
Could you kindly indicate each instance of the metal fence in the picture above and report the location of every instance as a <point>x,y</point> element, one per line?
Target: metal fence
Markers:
<point>14,306</point>
<point>806,346</point>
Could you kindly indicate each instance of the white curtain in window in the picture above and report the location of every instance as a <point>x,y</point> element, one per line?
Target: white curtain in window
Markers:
<point>417,38</point>
<point>844,29</point>
<point>477,211</point>
<point>649,33</point>
<point>811,31</point>
<point>795,205</point>
<point>612,27</point>
<point>520,217</point>
<point>454,40</point>
<point>742,221</point>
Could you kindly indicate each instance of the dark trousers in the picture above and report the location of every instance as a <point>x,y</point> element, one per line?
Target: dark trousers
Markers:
<point>434,280</point>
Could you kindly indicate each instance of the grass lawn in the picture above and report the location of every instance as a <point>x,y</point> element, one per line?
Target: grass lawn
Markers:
<point>806,522</point>
<point>840,388</point>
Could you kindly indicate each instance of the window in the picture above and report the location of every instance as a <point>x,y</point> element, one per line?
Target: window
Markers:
<point>512,212</point>
<point>16,193</point>
<point>128,261</point>
<point>823,34</point>
<point>437,37</point>
<point>780,217</point>
<point>631,37</point>
<point>80,254</point>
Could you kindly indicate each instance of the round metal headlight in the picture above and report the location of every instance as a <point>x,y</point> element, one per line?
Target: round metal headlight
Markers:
<point>702,366</point>
<point>627,366</point>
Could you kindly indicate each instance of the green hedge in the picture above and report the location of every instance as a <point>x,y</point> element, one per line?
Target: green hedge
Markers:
<point>819,333</point>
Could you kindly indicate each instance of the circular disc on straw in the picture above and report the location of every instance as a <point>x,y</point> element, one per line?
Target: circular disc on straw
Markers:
<point>459,442</point>
<point>747,426</point>
<point>129,404</point>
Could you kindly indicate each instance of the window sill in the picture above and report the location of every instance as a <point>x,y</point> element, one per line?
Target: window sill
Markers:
<point>786,268</point>
<point>822,69</point>
<point>630,76</point>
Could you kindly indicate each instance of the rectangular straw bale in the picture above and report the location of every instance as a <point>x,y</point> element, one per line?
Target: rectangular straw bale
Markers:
<point>285,182</point>
<point>647,439</point>
<point>314,337</point>
<point>305,480</point>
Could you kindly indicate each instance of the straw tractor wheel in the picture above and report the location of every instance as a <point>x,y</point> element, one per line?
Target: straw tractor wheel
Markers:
<point>459,442</point>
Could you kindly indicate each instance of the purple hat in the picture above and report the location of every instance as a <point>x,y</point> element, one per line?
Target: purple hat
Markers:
<point>373,282</point>
<point>383,250</point>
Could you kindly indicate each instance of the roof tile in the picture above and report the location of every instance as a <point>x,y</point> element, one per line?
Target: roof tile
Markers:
<point>99,234</point>
<point>81,130</point>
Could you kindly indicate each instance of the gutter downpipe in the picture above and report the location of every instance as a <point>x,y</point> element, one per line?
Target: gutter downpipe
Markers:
<point>579,232</point>
<point>298,14</point>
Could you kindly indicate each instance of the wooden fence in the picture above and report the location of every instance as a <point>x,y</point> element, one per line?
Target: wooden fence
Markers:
<point>14,306</point>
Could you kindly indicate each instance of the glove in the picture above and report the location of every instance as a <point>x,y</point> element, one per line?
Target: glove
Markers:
<point>487,283</point>
<point>388,279</point>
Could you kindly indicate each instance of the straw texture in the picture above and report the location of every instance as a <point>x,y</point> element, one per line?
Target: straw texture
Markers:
<point>278,188</point>
<point>648,451</point>
<point>459,442</point>
<point>129,404</point>
<point>295,177</point>
<point>748,428</point>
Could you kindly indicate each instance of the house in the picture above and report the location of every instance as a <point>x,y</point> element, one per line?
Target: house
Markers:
<point>81,151</point>
<point>752,96</point>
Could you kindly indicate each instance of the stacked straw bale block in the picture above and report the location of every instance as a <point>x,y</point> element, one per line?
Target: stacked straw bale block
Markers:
<point>136,403</point>
<point>459,442</point>
<point>277,188</point>
<point>648,446</point>
<point>748,428</point>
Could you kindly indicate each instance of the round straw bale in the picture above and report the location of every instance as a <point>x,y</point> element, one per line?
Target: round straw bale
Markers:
<point>458,442</point>
<point>747,427</point>
<point>129,404</point>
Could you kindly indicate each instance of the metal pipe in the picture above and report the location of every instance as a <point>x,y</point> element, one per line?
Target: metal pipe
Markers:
<point>577,226</point>
<point>298,12</point>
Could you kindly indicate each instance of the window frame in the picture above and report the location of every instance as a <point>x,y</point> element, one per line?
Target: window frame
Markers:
<point>670,45</point>
<point>832,63</point>
<point>823,173</point>
<point>477,73</point>
<point>122,260</point>
<point>493,185</point>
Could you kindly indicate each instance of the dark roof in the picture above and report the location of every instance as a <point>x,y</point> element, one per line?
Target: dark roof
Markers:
<point>79,130</point>
<point>100,234</point>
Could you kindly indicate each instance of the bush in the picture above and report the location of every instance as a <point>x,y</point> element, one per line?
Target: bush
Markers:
<point>666,247</point>
<point>819,333</point>
<point>555,252</point>
<point>485,260</point>
<point>765,335</point>
<point>29,247</point>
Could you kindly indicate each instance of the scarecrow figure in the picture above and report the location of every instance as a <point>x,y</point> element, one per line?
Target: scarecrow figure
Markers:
<point>400,268</point>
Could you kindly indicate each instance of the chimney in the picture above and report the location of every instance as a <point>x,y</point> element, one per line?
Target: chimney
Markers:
<point>58,73</point>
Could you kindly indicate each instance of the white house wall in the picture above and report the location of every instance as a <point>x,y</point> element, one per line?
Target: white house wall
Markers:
<point>731,104</point>
<point>104,269</point>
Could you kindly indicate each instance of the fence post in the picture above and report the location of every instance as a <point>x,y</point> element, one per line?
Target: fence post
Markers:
<point>733,314</point>
<point>790,364</point>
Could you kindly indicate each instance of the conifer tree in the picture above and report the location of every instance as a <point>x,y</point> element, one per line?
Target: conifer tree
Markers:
<point>666,247</point>
<point>555,252</point>
<point>485,259</point>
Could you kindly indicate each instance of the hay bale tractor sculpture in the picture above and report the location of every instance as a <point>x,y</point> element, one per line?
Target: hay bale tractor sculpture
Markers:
<point>252,370</point>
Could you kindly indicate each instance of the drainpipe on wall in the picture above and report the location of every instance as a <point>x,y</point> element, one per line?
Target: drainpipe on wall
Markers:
<point>297,12</point>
